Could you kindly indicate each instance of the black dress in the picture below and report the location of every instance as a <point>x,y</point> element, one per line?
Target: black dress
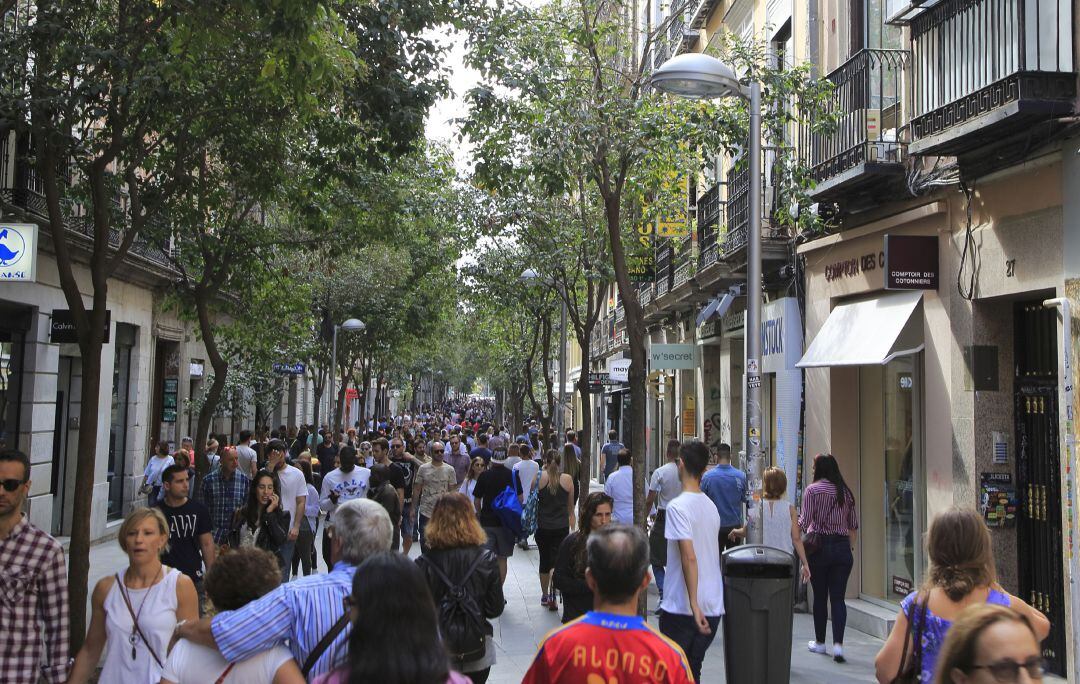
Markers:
<point>577,597</point>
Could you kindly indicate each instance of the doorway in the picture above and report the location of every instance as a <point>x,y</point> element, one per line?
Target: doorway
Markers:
<point>1038,473</point>
<point>65,443</point>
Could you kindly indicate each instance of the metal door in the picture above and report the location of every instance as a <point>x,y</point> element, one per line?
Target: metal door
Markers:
<point>1038,465</point>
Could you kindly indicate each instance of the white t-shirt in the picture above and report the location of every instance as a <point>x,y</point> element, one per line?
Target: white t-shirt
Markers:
<point>665,482</point>
<point>693,516</point>
<point>351,485</point>
<point>526,473</point>
<point>190,663</point>
<point>293,485</point>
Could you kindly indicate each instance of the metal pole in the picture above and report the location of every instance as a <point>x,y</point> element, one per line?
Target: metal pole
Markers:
<point>559,417</point>
<point>752,331</point>
<point>330,396</point>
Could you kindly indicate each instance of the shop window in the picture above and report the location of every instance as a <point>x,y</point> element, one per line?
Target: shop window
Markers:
<point>118,424</point>
<point>11,357</point>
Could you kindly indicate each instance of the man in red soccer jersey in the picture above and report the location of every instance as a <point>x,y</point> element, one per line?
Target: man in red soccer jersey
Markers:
<point>611,642</point>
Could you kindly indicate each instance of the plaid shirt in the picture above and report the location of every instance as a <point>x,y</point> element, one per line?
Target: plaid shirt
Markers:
<point>223,497</point>
<point>33,607</point>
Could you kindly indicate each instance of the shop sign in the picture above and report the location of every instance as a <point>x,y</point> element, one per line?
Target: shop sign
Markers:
<point>196,368</point>
<point>673,356</point>
<point>619,370</point>
<point>18,251</point>
<point>351,394</point>
<point>689,415</point>
<point>169,400</point>
<point>289,368</point>
<point>849,268</point>
<point>62,326</point>
<point>733,322</point>
<point>902,586</point>
<point>597,381</point>
<point>911,262</point>
<point>781,335</point>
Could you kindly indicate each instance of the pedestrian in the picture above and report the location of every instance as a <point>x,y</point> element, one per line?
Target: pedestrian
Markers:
<point>384,490</point>
<point>725,485</point>
<point>961,574</point>
<point>492,482</point>
<point>346,482</point>
<point>468,484</point>
<point>191,541</point>
<point>525,472</point>
<point>779,521</point>
<point>554,519</point>
<point>262,522</point>
<point>365,454</point>
<point>620,487</point>
<point>326,450</point>
<point>212,456</point>
<point>693,586</point>
<point>391,605</point>
<point>224,492</point>
<point>513,455</point>
<point>304,557</point>
<point>571,465</point>
<point>664,486</point>
<point>293,493</point>
<point>988,644</point>
<point>612,643</point>
<point>35,641</point>
<point>432,480</point>
<point>464,580</point>
<point>237,578</point>
<point>569,571</point>
<point>829,519</point>
<point>481,449</point>
<point>408,465</point>
<point>572,440</point>
<point>610,453</point>
<point>157,464</point>
<point>249,460</point>
<point>135,612</point>
<point>306,613</point>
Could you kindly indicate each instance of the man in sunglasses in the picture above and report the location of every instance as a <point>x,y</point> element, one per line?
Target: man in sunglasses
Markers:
<point>35,642</point>
<point>432,479</point>
<point>408,465</point>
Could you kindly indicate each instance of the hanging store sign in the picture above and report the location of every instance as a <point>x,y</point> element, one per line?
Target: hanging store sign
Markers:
<point>619,370</point>
<point>911,262</point>
<point>196,369</point>
<point>18,251</point>
<point>673,356</point>
<point>62,326</point>
<point>289,368</point>
<point>597,381</point>
<point>781,335</point>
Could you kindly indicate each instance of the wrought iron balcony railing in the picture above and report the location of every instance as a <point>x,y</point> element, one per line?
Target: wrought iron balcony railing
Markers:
<point>710,218</point>
<point>684,262</point>
<point>865,109</point>
<point>665,255</point>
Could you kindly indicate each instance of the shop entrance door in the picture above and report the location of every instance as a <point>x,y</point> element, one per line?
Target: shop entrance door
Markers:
<point>1038,476</point>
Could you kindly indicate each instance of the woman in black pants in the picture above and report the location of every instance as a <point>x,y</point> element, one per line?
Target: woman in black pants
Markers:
<point>554,518</point>
<point>828,517</point>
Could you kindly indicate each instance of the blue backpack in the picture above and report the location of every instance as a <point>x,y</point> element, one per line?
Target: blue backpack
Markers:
<point>508,507</point>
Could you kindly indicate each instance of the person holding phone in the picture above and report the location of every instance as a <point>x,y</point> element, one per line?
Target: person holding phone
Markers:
<point>263,522</point>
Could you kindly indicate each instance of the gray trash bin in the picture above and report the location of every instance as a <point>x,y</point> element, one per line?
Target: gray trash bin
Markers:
<point>759,587</point>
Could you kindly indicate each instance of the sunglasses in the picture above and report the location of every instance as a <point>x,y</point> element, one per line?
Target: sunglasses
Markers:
<point>1006,671</point>
<point>11,485</point>
<point>438,451</point>
<point>397,446</point>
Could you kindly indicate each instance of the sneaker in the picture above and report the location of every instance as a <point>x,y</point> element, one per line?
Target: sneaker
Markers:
<point>838,653</point>
<point>553,603</point>
<point>815,647</point>
<point>544,599</point>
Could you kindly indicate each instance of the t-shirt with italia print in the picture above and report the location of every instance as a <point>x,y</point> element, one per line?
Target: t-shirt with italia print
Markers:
<point>186,524</point>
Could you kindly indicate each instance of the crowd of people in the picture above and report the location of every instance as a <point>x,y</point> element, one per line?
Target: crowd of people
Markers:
<point>213,592</point>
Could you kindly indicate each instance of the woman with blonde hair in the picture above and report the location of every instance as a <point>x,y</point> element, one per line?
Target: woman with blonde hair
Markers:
<point>456,557</point>
<point>961,574</point>
<point>554,518</point>
<point>779,523</point>
<point>572,465</point>
<point>989,643</point>
<point>135,612</point>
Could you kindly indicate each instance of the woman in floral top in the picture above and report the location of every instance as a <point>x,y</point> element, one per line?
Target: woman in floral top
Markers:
<point>961,574</point>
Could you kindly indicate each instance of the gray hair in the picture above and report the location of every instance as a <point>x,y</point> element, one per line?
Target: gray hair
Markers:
<point>364,528</point>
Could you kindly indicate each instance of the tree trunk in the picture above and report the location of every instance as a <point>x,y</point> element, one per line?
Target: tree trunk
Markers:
<point>221,372</point>
<point>585,476</point>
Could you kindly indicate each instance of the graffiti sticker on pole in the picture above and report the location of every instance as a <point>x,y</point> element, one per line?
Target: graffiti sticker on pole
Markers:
<point>753,367</point>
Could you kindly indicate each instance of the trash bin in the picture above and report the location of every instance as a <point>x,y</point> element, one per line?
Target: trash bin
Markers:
<point>759,587</point>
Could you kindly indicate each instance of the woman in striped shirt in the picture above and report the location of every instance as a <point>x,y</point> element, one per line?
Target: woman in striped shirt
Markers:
<point>828,513</point>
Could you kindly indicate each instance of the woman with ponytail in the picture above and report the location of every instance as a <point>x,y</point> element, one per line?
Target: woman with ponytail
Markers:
<point>961,574</point>
<point>554,518</point>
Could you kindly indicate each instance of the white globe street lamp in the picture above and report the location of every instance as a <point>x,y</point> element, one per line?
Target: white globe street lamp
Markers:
<point>350,325</point>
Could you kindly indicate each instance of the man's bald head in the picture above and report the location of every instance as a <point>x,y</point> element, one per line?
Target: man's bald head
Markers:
<point>618,559</point>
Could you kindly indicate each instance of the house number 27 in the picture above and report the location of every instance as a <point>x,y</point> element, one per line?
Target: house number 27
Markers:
<point>1010,268</point>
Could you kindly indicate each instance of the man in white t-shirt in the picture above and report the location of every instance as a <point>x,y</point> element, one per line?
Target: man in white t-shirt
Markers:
<point>249,460</point>
<point>237,578</point>
<point>664,486</point>
<point>293,497</point>
<point>693,586</point>
<point>344,483</point>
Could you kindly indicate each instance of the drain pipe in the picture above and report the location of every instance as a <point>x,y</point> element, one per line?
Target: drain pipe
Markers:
<point>1067,391</point>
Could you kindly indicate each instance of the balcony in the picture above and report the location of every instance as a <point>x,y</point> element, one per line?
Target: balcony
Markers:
<point>702,10</point>
<point>985,71</point>
<point>775,243</point>
<point>681,37</point>
<point>684,262</point>
<point>665,255</point>
<point>645,294</point>
<point>710,217</point>
<point>861,153</point>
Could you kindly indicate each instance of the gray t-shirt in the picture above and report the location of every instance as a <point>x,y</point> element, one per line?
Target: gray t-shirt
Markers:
<point>665,482</point>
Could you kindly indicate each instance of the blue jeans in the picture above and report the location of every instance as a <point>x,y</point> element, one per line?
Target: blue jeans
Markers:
<point>682,630</point>
<point>830,567</point>
<point>285,554</point>
<point>658,575</point>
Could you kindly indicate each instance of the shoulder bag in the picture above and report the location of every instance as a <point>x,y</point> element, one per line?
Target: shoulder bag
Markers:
<point>135,622</point>
<point>910,671</point>
<point>324,643</point>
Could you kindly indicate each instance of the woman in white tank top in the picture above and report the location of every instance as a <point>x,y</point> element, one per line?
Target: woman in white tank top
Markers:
<point>779,523</point>
<point>135,611</point>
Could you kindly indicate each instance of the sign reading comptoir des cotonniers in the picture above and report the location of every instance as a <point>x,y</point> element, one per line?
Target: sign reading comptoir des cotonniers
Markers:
<point>911,262</point>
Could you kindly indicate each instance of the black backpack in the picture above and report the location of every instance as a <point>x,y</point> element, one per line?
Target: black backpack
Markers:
<point>460,620</point>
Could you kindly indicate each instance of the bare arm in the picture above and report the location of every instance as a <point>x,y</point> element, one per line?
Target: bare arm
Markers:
<point>209,551</point>
<point>887,662</point>
<point>568,484</point>
<point>289,673</point>
<point>796,541</point>
<point>690,577</point>
<point>198,632</point>
<point>650,500</point>
<point>478,504</point>
<point>301,503</point>
<point>187,601</point>
<point>89,655</point>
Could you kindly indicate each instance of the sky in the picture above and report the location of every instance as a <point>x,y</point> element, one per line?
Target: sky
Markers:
<point>440,118</point>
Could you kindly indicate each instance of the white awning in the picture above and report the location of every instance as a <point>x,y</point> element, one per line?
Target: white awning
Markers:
<point>868,332</point>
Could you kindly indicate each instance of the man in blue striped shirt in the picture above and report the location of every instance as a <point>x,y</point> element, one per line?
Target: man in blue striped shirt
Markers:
<point>303,611</point>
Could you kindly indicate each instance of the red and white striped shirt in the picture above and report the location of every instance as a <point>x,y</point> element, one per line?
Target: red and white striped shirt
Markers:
<point>820,512</point>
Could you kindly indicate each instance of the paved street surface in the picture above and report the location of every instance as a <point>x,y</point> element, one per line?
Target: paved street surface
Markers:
<point>525,623</point>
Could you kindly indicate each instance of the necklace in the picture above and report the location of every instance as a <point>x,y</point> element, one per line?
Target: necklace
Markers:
<point>133,639</point>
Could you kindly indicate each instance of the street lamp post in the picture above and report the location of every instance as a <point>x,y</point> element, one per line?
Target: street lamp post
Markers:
<point>348,326</point>
<point>699,76</point>
<point>529,275</point>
